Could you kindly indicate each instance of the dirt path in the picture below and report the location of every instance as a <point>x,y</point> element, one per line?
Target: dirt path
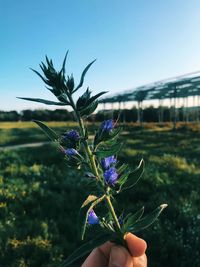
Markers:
<point>12,147</point>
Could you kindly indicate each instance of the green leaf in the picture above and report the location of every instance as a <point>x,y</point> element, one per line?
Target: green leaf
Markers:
<point>44,80</point>
<point>147,220</point>
<point>107,152</point>
<point>107,137</point>
<point>64,62</point>
<point>93,98</point>
<point>82,100</point>
<point>49,132</point>
<point>122,168</point>
<point>132,179</point>
<point>47,102</point>
<point>115,132</point>
<point>88,200</point>
<point>88,204</point>
<point>131,219</point>
<point>89,109</point>
<point>86,248</point>
<point>83,75</point>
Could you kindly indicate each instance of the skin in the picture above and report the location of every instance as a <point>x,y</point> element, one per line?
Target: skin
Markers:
<point>111,255</point>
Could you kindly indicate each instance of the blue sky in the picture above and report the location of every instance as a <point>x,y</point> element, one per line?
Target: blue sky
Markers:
<point>134,41</point>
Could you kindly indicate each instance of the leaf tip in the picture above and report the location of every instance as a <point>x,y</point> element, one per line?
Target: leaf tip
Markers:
<point>163,206</point>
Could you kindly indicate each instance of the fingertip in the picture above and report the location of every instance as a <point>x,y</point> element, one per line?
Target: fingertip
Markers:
<point>119,257</point>
<point>136,245</point>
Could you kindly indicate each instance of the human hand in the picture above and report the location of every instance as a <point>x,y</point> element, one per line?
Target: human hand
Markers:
<point>112,255</point>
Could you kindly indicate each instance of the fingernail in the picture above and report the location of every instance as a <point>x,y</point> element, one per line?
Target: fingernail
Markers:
<point>117,257</point>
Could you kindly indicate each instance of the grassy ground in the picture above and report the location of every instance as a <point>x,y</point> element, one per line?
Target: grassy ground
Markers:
<point>13,133</point>
<point>40,196</point>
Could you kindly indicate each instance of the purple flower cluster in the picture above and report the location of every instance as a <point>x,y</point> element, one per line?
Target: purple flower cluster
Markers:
<point>107,162</point>
<point>72,135</point>
<point>92,218</point>
<point>71,152</point>
<point>107,126</point>
<point>111,176</point>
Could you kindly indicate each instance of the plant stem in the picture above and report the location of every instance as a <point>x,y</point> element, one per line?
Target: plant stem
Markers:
<point>110,206</point>
<point>92,162</point>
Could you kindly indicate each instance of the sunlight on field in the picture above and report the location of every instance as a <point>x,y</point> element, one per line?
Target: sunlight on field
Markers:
<point>29,124</point>
<point>39,193</point>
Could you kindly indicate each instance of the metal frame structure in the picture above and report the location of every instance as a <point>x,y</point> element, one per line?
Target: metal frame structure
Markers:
<point>174,89</point>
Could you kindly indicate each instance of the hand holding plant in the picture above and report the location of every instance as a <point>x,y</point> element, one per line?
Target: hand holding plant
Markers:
<point>98,160</point>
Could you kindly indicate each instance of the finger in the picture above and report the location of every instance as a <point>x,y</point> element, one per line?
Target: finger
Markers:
<point>106,248</point>
<point>136,245</point>
<point>96,258</point>
<point>140,261</point>
<point>120,257</point>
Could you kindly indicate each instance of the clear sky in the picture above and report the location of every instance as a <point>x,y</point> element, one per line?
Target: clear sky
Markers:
<point>134,41</point>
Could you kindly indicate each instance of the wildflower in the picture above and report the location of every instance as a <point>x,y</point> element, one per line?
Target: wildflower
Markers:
<point>71,152</point>
<point>92,218</point>
<point>107,162</point>
<point>110,176</point>
<point>107,126</point>
<point>72,135</point>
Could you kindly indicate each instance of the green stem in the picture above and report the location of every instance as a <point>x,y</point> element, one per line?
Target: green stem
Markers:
<point>92,161</point>
<point>110,206</point>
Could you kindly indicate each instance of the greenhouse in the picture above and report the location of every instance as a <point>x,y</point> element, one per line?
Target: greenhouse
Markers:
<point>182,90</point>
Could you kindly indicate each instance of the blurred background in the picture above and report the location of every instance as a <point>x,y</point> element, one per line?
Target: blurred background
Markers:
<point>148,59</point>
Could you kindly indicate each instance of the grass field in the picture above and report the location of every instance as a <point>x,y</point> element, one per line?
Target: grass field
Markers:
<point>40,196</point>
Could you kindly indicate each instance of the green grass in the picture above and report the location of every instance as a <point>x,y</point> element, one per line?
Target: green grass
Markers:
<point>14,133</point>
<point>40,197</point>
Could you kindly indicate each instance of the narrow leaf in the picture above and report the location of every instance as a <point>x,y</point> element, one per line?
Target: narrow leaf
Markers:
<point>83,75</point>
<point>86,248</point>
<point>44,80</point>
<point>88,200</point>
<point>107,152</point>
<point>147,220</point>
<point>88,204</point>
<point>130,220</point>
<point>49,132</point>
<point>122,168</point>
<point>134,177</point>
<point>47,102</point>
<point>64,62</point>
<point>89,109</point>
<point>93,98</point>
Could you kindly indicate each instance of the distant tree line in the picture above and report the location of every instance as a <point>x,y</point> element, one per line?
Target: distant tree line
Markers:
<point>148,114</point>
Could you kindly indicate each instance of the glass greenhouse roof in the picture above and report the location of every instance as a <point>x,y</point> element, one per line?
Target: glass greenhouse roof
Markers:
<point>179,87</point>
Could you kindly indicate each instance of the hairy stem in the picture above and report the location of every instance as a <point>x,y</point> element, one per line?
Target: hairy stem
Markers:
<point>92,162</point>
<point>112,211</point>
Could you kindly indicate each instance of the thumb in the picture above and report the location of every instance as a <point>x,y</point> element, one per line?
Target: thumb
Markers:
<point>119,257</point>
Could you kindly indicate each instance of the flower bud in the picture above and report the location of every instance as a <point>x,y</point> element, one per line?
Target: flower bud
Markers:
<point>107,162</point>
<point>92,218</point>
<point>71,152</point>
<point>72,135</point>
<point>107,126</point>
<point>110,176</point>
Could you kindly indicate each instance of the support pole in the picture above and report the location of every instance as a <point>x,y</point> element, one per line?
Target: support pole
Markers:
<point>174,118</point>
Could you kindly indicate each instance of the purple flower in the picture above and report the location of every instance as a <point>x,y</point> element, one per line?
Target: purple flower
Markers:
<point>107,162</point>
<point>110,176</point>
<point>71,152</point>
<point>107,126</point>
<point>92,218</point>
<point>72,135</point>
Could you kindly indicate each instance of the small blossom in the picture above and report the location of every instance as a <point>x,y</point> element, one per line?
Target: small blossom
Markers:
<point>92,218</point>
<point>107,162</point>
<point>71,152</point>
<point>107,126</point>
<point>72,135</point>
<point>110,176</point>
